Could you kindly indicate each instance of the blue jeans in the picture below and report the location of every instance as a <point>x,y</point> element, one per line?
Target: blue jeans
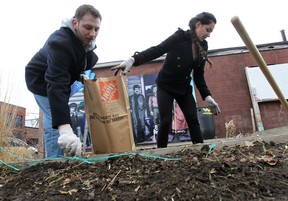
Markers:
<point>52,149</point>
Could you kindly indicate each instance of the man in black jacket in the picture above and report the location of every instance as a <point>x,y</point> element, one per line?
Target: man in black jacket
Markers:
<point>54,68</point>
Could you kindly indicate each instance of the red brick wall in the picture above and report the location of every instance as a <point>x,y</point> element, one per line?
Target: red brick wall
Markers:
<point>25,133</point>
<point>36,133</point>
<point>228,84</point>
<point>227,81</point>
<point>273,115</point>
<point>14,110</point>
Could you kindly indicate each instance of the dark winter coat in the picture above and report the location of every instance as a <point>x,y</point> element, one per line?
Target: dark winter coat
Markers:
<point>175,76</point>
<point>55,67</point>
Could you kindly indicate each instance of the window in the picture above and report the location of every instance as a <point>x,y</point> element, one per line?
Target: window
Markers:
<point>9,119</point>
<point>19,121</point>
<point>32,141</point>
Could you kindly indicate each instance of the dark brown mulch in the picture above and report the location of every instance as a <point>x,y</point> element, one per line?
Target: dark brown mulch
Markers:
<point>254,171</point>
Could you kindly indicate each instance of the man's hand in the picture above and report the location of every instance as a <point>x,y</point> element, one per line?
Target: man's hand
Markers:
<point>68,141</point>
<point>125,65</point>
<point>212,105</point>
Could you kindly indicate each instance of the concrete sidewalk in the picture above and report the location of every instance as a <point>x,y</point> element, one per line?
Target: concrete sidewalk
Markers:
<point>277,135</point>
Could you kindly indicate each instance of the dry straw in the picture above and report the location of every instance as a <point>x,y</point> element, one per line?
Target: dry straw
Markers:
<point>8,113</point>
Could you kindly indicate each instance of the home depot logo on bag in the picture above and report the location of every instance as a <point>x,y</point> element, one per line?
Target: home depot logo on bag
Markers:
<point>109,90</point>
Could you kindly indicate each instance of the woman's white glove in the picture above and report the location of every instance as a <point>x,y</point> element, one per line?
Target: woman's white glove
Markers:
<point>212,105</point>
<point>125,66</point>
<point>68,141</point>
<point>84,77</point>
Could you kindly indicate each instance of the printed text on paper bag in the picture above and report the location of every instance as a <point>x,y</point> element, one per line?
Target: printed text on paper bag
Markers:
<point>106,119</point>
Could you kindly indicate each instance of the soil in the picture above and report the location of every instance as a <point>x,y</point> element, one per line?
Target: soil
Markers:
<point>253,171</point>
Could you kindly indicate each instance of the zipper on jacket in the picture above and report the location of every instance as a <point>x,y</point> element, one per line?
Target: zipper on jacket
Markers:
<point>85,63</point>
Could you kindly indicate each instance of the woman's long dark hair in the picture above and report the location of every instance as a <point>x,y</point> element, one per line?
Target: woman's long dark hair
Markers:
<point>204,18</point>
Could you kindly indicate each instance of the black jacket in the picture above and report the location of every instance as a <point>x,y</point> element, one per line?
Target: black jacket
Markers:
<point>175,77</point>
<point>55,67</point>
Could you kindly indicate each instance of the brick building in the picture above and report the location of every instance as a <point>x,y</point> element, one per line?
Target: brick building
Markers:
<point>226,80</point>
<point>35,135</point>
<point>228,84</point>
<point>15,116</point>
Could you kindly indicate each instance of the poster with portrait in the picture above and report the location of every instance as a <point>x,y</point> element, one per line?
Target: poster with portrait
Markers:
<point>145,114</point>
<point>77,111</point>
<point>77,115</point>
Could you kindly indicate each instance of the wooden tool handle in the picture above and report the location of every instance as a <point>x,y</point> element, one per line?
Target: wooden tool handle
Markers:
<point>257,56</point>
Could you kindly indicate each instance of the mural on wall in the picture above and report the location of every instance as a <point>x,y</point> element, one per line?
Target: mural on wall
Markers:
<point>179,125</point>
<point>142,92</point>
<point>139,91</point>
<point>78,117</point>
<point>77,110</point>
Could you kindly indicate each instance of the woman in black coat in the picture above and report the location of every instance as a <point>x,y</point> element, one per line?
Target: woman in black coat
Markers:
<point>186,53</point>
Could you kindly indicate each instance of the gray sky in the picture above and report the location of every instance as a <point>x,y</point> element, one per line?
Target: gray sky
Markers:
<point>127,26</point>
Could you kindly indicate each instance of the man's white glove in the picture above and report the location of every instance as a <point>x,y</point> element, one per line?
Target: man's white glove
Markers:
<point>125,65</point>
<point>212,105</point>
<point>68,141</point>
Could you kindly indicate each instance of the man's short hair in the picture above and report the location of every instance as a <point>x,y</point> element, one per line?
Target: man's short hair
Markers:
<point>84,9</point>
<point>136,86</point>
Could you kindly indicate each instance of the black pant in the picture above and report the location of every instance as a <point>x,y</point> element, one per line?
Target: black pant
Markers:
<point>188,106</point>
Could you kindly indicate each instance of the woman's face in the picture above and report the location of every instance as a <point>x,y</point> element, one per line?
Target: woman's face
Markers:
<point>204,30</point>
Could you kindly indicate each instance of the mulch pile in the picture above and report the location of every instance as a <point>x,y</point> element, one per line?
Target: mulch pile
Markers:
<point>253,171</point>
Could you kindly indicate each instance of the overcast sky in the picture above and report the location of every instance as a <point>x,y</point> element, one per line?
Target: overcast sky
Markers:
<point>127,26</point>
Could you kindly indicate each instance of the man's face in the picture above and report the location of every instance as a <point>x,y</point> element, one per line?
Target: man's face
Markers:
<point>137,90</point>
<point>87,28</point>
<point>72,109</point>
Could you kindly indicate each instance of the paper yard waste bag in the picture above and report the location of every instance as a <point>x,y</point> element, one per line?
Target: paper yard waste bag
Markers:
<point>108,114</point>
